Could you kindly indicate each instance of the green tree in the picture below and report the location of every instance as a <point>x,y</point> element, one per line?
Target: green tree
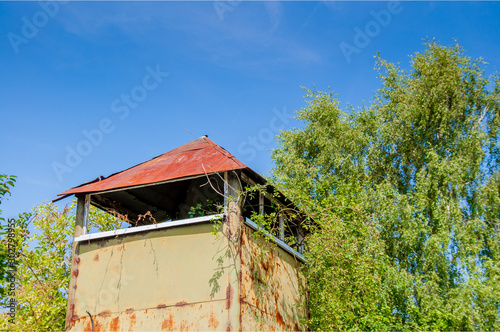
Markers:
<point>405,198</point>
<point>43,242</point>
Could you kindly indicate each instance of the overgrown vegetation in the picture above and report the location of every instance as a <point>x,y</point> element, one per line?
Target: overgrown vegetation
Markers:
<point>43,243</point>
<point>405,196</point>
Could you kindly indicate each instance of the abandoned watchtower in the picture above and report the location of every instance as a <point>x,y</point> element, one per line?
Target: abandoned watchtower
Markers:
<point>188,257</point>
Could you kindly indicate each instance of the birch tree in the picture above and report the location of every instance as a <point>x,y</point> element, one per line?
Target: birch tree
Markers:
<point>404,194</point>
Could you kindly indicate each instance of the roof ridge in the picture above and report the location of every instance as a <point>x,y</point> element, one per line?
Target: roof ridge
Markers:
<point>227,154</point>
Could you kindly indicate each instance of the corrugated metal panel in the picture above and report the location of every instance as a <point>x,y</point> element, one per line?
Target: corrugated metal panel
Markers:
<point>191,159</point>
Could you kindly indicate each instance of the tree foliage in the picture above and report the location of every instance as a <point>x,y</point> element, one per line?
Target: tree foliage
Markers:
<point>43,242</point>
<point>405,198</point>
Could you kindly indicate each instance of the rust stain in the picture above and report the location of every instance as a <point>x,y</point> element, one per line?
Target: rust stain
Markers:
<point>77,259</point>
<point>96,257</point>
<point>104,313</point>
<point>86,326</point>
<point>228,328</point>
<point>184,326</point>
<point>129,310</point>
<point>114,325</point>
<point>161,306</point>
<point>229,295</point>
<point>72,316</point>
<point>212,321</point>
<point>265,265</point>
<point>98,326</point>
<point>75,273</point>
<point>240,314</point>
<point>132,320</point>
<point>279,318</point>
<point>168,323</point>
<point>181,303</point>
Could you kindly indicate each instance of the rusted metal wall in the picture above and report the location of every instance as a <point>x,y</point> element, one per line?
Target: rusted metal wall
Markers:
<point>158,280</point>
<point>271,298</point>
<point>161,280</point>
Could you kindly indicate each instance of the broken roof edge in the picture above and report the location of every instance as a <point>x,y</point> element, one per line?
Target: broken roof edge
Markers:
<point>196,157</point>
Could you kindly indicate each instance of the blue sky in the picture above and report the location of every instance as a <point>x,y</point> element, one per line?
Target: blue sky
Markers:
<point>92,88</point>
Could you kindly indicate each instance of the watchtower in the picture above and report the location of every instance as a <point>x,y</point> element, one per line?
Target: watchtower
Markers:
<point>188,257</point>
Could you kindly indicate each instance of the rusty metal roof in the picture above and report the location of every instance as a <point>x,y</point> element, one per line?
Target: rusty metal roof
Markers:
<point>194,158</point>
